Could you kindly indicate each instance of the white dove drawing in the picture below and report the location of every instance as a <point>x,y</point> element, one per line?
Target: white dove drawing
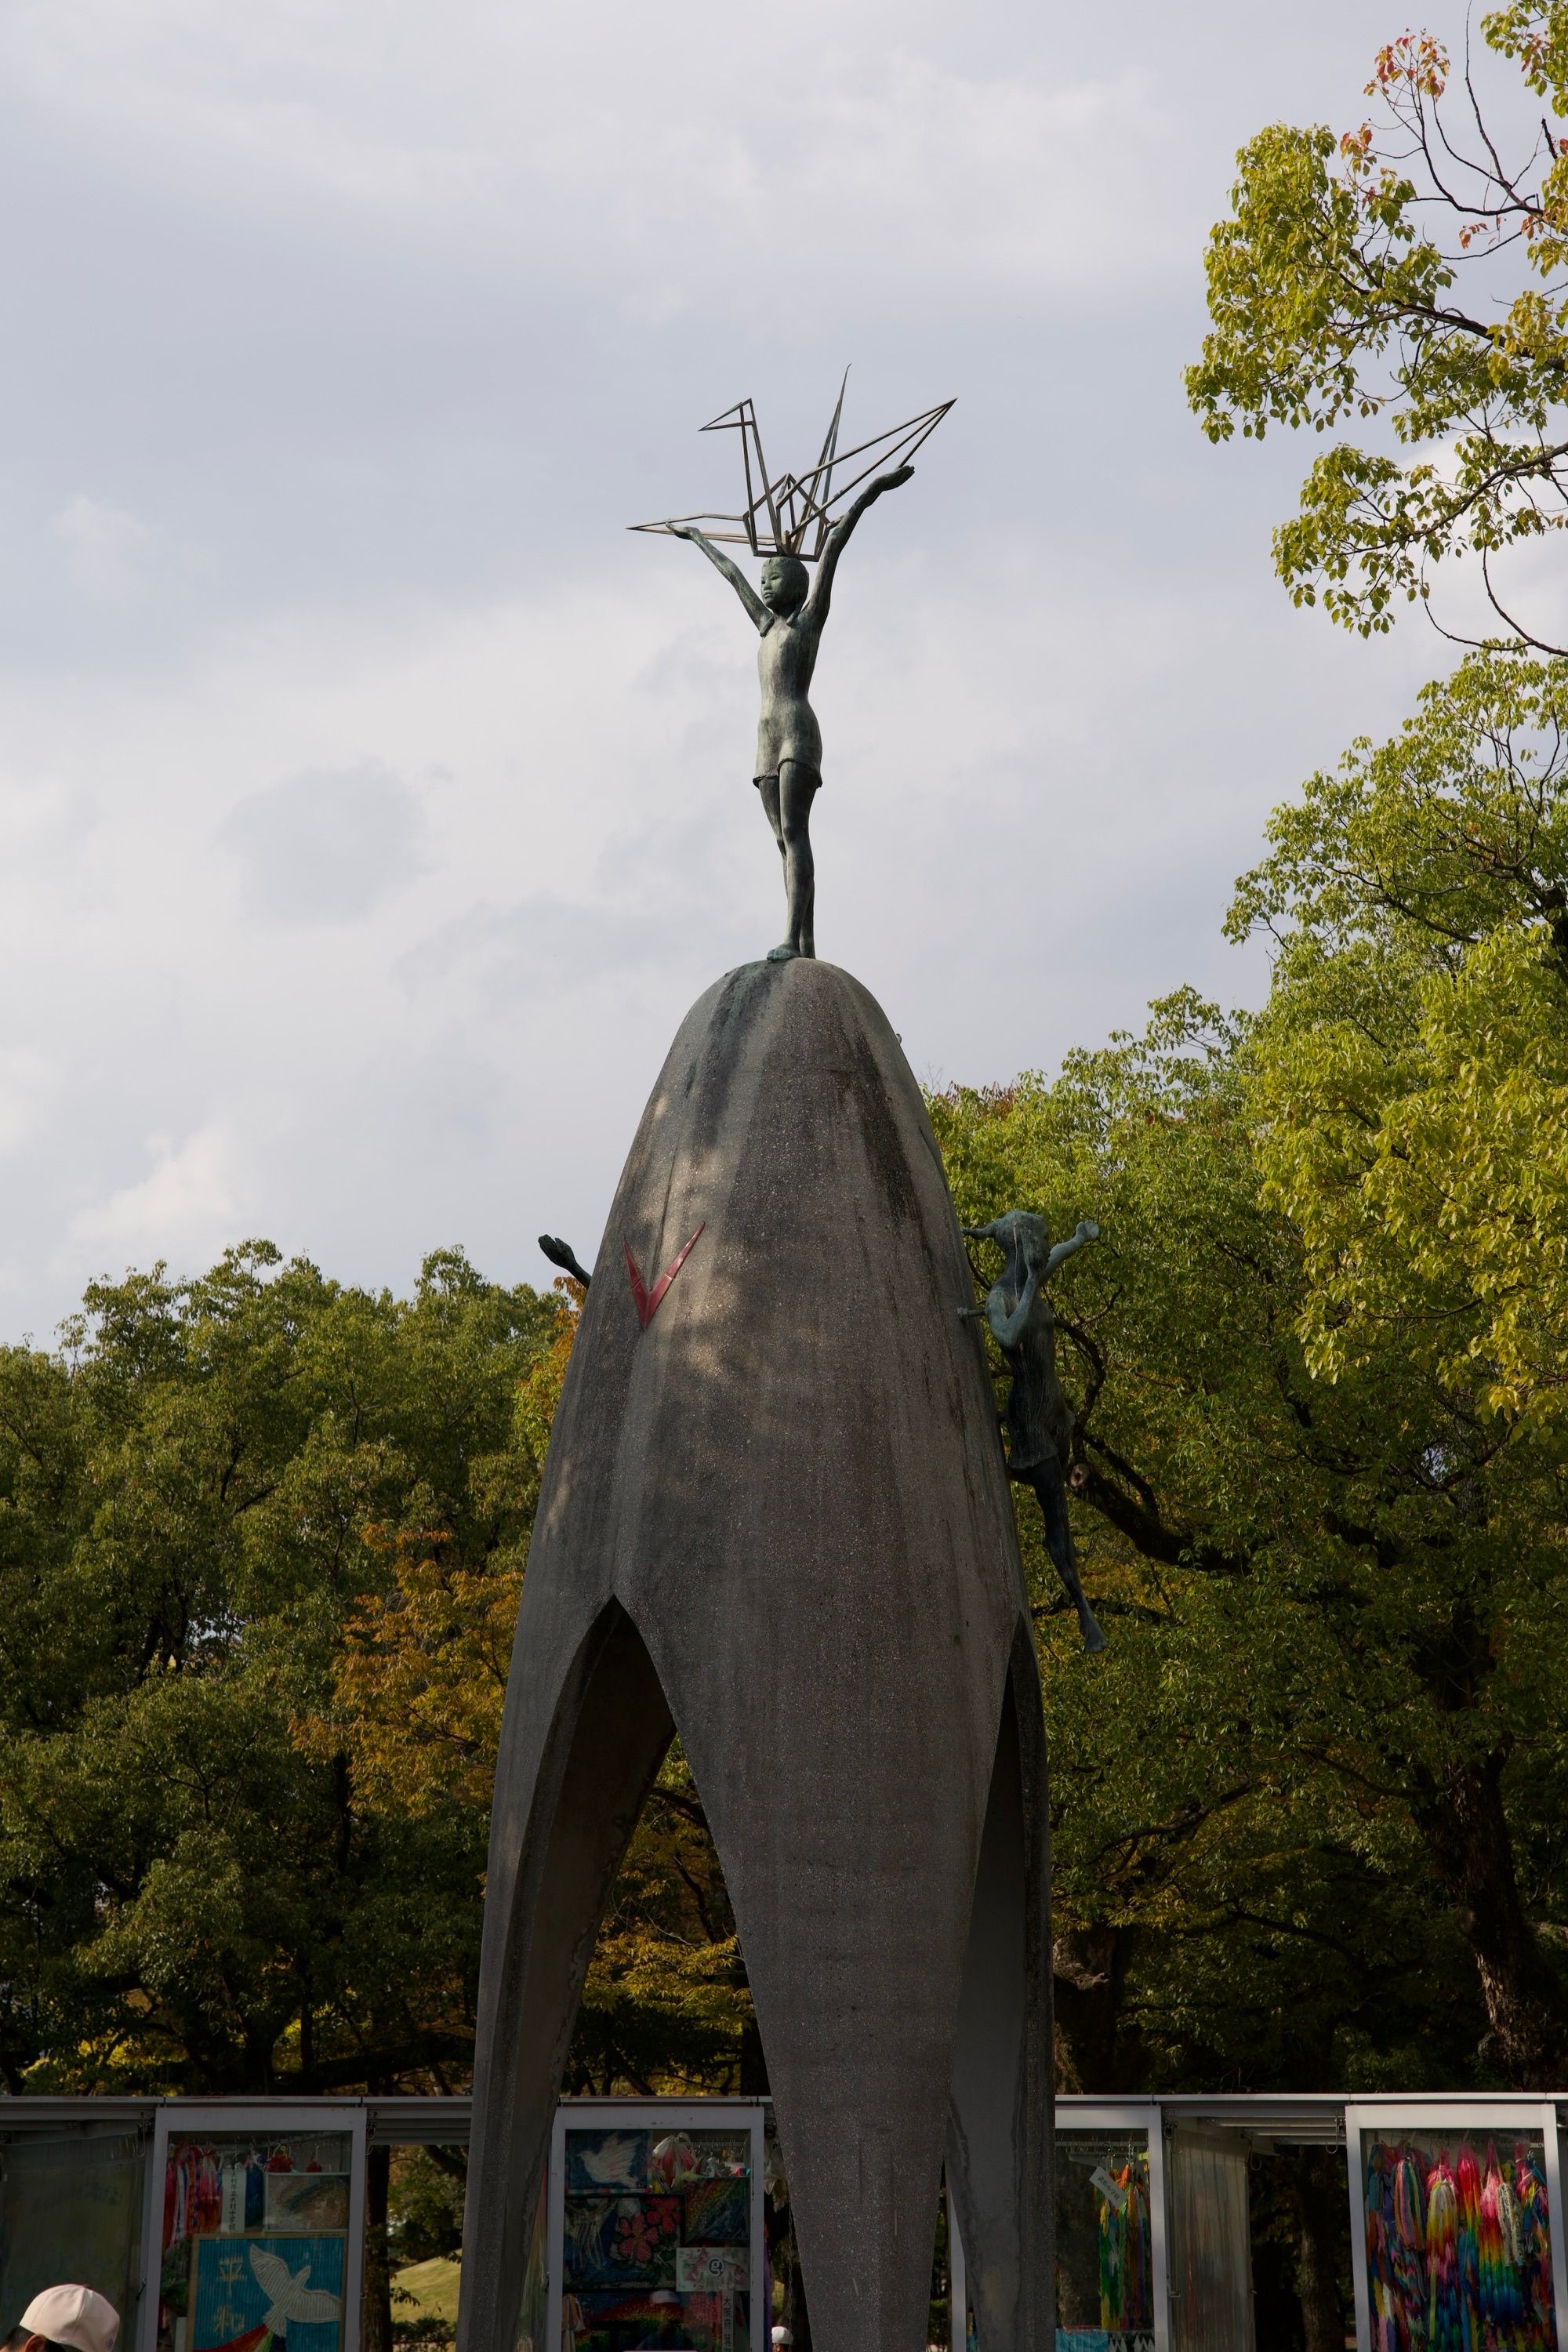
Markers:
<point>291,2295</point>
<point>611,2165</point>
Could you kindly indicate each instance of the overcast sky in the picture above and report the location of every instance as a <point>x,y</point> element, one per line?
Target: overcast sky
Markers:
<point>372,805</point>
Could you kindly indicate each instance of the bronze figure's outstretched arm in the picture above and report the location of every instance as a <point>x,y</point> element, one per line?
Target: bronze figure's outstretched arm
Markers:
<point>1087,1230</point>
<point>757,612</point>
<point>838,539</point>
<point>562,1254</point>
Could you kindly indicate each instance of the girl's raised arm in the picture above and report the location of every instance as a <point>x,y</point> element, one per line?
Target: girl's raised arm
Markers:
<point>821,595</point>
<point>1087,1230</point>
<point>756,610</point>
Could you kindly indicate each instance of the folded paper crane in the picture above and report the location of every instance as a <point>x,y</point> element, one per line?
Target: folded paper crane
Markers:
<point>794,514</point>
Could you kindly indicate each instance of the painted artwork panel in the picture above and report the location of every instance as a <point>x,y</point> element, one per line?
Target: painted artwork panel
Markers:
<point>623,2322</point>
<point>294,2284</point>
<point>634,2322</point>
<point>621,2241</point>
<point>711,2270</point>
<point>679,2157</point>
<point>720,2152</point>
<point>718,2213</point>
<point>307,2201</point>
<point>606,2160</point>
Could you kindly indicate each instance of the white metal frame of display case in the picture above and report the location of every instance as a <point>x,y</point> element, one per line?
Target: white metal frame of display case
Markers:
<point>268,2119</point>
<point>1470,2116</point>
<point>748,2115</point>
<point>1128,2116</point>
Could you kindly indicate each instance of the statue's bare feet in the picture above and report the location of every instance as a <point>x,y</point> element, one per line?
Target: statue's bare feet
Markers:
<point>807,946</point>
<point>784,953</point>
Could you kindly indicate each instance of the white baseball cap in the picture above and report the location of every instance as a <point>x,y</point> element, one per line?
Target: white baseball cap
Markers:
<point>74,2315</point>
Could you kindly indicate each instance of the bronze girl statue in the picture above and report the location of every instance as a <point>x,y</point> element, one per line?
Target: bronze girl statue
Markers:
<point>1037,1418</point>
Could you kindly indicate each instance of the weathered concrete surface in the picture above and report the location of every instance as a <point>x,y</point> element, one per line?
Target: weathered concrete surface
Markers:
<point>778,1519</point>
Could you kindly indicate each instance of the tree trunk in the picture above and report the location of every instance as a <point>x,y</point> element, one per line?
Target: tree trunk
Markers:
<point>1090,1969</point>
<point>1465,1833</point>
<point>1319,2185</point>
<point>375,2311</point>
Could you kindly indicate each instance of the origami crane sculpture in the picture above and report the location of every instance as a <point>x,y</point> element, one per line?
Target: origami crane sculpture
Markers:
<point>793,514</point>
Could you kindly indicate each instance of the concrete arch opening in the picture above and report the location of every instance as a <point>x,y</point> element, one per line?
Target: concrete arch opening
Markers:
<point>860,2173</point>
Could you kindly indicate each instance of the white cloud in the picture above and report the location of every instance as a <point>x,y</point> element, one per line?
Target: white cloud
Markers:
<point>183,1209</point>
<point>30,1093</point>
<point>101,547</point>
<point>326,844</point>
<point>685,147</point>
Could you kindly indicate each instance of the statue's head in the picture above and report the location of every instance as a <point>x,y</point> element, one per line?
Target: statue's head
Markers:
<point>1021,1235</point>
<point>1024,1236</point>
<point>785,583</point>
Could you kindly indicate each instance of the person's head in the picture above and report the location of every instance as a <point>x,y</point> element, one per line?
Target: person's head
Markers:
<point>66,2319</point>
<point>784,582</point>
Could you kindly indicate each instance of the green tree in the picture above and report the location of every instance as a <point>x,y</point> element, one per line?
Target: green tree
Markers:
<point>419,1687</point>
<point>195,1494</point>
<point>666,2007</point>
<point>1410,275</point>
<point>1412,1069</point>
<point>1402,1089</point>
<point>1316,1773</point>
<point>1409,1085</point>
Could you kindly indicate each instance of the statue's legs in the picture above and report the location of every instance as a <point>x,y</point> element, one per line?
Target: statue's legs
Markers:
<point>575,1769</point>
<point>1050,1493</point>
<point>786,802</point>
<point>999,2129</point>
<point>768,786</point>
<point>797,790</point>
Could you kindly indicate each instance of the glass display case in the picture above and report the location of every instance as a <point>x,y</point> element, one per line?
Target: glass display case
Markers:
<point>1109,2216</point>
<point>72,2207</point>
<point>1456,2221</point>
<point>657,2212</point>
<point>260,2231</point>
<point>1105,2239</point>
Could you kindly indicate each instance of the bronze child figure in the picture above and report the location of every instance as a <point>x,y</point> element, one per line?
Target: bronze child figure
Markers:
<point>789,615</point>
<point>1037,1418</point>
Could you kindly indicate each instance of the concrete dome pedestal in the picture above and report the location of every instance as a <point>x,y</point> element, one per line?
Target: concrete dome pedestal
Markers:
<point>775,1519</point>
